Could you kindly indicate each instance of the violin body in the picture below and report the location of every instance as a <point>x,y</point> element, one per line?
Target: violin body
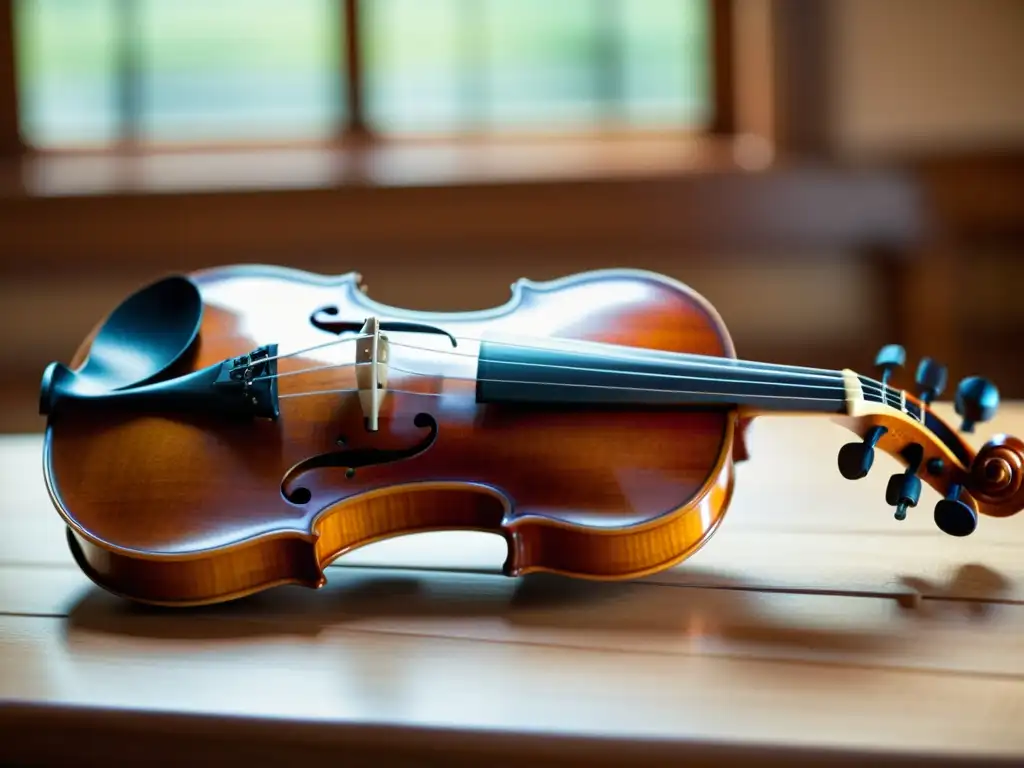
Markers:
<point>189,508</point>
<point>243,427</point>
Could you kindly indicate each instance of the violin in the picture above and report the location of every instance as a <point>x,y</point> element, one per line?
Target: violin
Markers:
<point>236,428</point>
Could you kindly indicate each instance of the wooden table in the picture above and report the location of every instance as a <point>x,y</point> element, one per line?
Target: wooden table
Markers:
<point>794,635</point>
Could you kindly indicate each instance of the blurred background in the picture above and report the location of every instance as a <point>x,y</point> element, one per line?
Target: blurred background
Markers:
<point>833,175</point>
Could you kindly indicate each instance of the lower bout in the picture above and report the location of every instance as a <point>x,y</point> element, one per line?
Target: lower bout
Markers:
<point>214,578</point>
<point>600,554</point>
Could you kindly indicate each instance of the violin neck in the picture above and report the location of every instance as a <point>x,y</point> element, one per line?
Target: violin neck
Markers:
<point>565,372</point>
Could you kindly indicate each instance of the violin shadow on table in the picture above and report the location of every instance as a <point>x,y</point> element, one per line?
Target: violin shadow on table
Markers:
<point>540,608</point>
<point>974,589</point>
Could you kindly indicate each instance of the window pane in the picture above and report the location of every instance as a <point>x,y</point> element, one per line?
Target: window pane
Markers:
<point>506,64</point>
<point>416,64</point>
<point>240,69</point>
<point>271,69</point>
<point>65,60</point>
<point>667,55</point>
<point>543,65</point>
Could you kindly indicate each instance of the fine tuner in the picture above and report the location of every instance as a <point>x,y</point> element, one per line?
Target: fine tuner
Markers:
<point>233,429</point>
<point>976,401</point>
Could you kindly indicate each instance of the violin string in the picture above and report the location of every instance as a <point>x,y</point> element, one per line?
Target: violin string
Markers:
<point>836,378</point>
<point>707,361</point>
<point>571,385</point>
<point>609,350</point>
<point>833,376</point>
<point>352,390</point>
<point>313,369</point>
<point>836,389</point>
<point>315,347</point>
<point>831,387</point>
<point>327,366</point>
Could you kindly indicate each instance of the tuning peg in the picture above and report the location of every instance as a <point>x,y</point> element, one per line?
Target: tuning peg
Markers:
<point>889,358</point>
<point>855,459</point>
<point>976,400</point>
<point>904,489</point>
<point>931,379</point>
<point>953,516</point>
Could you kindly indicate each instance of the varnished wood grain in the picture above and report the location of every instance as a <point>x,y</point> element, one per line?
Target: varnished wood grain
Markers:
<point>196,510</point>
<point>793,524</point>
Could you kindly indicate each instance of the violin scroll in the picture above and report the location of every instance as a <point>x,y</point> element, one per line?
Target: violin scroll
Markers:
<point>995,480</point>
<point>996,476</point>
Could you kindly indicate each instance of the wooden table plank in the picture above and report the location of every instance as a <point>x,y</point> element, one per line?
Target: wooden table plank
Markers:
<point>336,676</point>
<point>866,632</point>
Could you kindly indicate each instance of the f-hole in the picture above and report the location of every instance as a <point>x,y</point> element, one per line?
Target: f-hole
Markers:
<point>350,459</point>
<point>325,319</point>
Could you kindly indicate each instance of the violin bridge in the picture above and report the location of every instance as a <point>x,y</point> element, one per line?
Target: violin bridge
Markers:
<point>372,354</point>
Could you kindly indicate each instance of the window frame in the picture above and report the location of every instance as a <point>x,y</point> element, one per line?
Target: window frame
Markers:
<point>354,130</point>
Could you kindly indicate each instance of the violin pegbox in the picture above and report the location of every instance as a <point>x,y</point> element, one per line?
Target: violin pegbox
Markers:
<point>989,481</point>
<point>856,459</point>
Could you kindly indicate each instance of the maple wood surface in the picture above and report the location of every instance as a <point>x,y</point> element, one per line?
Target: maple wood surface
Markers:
<point>811,627</point>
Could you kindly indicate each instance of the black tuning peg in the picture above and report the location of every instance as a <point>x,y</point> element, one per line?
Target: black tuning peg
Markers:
<point>931,379</point>
<point>904,489</point>
<point>889,358</point>
<point>976,400</point>
<point>954,517</point>
<point>855,459</point>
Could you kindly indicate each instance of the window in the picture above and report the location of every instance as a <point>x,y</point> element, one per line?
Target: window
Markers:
<point>95,72</point>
